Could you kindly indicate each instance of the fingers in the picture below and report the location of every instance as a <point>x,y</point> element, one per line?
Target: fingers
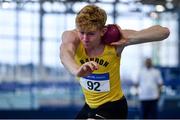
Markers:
<point>121,42</point>
<point>90,65</point>
<point>87,68</point>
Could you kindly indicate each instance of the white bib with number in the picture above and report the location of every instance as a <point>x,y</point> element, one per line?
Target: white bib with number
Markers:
<point>96,82</point>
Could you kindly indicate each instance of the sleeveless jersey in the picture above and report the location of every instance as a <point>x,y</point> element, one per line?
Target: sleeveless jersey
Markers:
<point>103,85</point>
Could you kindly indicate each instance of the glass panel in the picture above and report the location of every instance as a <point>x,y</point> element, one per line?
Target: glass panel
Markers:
<point>7,51</point>
<point>28,24</point>
<point>7,23</point>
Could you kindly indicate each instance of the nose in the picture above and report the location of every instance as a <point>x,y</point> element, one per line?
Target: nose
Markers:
<point>85,37</point>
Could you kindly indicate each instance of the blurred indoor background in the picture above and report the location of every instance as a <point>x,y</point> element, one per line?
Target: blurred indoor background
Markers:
<point>33,82</point>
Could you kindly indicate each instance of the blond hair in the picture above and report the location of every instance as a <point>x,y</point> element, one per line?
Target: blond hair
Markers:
<point>91,17</point>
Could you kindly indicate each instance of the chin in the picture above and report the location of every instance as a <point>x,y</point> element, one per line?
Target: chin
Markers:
<point>87,46</point>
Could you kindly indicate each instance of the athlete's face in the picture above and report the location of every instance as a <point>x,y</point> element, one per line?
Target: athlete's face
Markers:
<point>91,38</point>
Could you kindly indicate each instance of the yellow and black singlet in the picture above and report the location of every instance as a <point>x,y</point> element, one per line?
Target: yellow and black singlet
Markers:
<point>103,85</point>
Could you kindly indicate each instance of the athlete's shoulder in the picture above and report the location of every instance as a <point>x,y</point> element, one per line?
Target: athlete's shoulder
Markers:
<point>70,33</point>
<point>70,36</point>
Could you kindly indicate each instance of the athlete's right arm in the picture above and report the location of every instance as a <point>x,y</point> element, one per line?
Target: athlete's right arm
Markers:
<point>67,51</point>
<point>70,42</point>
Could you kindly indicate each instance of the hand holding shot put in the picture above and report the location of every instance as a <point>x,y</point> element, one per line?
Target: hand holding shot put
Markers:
<point>91,53</point>
<point>113,35</point>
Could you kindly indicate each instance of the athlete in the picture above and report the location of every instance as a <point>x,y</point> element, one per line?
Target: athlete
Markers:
<point>96,65</point>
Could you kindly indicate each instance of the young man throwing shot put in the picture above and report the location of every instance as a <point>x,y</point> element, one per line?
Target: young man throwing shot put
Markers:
<point>96,64</point>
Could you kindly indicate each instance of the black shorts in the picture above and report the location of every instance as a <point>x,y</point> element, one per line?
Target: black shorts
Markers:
<point>110,110</point>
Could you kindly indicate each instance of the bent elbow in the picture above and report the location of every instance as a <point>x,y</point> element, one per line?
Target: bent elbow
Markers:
<point>61,54</point>
<point>167,32</point>
<point>62,59</point>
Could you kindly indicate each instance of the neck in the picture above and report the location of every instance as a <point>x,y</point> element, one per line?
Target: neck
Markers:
<point>95,50</point>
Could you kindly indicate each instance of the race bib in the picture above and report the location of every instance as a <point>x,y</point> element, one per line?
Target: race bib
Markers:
<point>96,82</point>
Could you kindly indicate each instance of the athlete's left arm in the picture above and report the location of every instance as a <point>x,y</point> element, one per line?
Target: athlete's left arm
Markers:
<point>151,34</point>
<point>131,37</point>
